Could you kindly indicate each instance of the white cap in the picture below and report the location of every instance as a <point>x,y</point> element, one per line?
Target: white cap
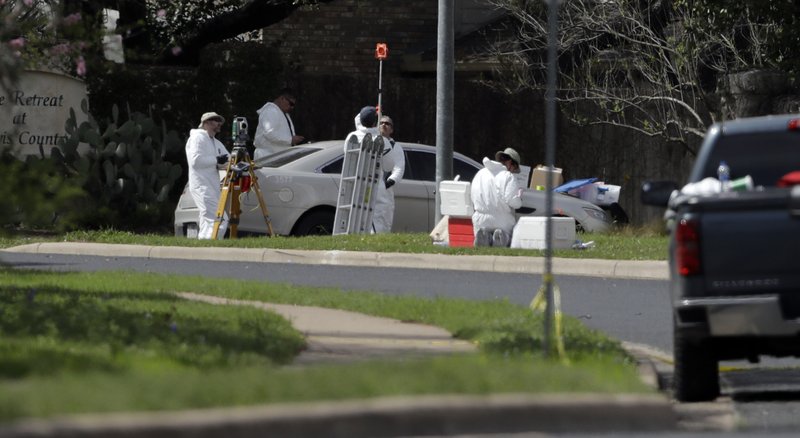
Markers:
<point>208,116</point>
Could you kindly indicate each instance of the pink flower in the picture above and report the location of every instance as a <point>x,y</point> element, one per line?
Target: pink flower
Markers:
<point>80,68</point>
<point>71,19</point>
<point>17,43</point>
<point>59,49</point>
<point>176,51</point>
<point>28,2</point>
<point>161,13</point>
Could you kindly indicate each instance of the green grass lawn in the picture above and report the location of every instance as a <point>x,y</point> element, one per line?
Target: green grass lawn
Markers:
<point>620,244</point>
<point>119,341</point>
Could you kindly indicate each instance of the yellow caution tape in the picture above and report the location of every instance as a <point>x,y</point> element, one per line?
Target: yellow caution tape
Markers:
<point>539,304</point>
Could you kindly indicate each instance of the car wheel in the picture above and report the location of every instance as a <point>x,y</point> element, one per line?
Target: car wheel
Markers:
<point>191,230</point>
<point>696,375</point>
<point>315,223</point>
<point>618,215</point>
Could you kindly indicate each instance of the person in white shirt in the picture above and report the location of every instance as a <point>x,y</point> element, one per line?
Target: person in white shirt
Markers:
<point>275,131</point>
<point>203,154</point>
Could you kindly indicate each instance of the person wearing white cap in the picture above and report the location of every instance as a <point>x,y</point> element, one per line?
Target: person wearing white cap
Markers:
<point>495,195</point>
<point>203,154</point>
<point>275,131</point>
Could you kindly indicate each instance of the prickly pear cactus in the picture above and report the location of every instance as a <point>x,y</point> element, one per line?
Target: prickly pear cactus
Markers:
<point>125,165</point>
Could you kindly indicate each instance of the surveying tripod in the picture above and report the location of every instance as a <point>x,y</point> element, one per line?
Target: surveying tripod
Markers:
<point>239,178</point>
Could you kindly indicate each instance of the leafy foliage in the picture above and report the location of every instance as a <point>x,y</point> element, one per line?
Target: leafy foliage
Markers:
<point>35,194</point>
<point>124,167</point>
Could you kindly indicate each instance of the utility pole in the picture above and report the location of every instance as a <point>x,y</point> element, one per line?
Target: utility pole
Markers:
<point>444,98</point>
<point>550,152</point>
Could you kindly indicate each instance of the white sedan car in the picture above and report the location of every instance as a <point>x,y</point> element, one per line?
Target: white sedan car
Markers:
<point>300,187</point>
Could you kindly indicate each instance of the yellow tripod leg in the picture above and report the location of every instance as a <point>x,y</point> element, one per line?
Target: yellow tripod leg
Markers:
<point>261,202</point>
<point>223,201</point>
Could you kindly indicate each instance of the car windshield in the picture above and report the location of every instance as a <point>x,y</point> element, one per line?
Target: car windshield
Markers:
<point>285,157</point>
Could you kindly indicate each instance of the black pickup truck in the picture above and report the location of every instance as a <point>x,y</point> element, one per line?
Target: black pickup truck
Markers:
<point>734,256</point>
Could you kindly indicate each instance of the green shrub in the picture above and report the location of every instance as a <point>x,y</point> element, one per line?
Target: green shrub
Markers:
<point>124,168</point>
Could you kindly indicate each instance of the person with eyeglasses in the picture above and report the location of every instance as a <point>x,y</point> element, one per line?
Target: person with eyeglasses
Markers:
<point>366,122</point>
<point>394,165</point>
<point>275,131</point>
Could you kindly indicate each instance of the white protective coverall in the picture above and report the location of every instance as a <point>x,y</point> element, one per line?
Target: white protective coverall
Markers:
<point>495,195</point>
<point>383,215</point>
<point>202,151</point>
<point>274,131</point>
<point>394,162</point>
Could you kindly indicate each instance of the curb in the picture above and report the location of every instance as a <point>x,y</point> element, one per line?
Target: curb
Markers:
<point>633,269</point>
<point>383,417</point>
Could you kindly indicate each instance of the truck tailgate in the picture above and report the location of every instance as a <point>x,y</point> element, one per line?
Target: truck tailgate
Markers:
<point>750,244</point>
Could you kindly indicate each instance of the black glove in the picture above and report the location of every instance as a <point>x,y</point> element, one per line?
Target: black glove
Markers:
<point>389,182</point>
<point>222,159</point>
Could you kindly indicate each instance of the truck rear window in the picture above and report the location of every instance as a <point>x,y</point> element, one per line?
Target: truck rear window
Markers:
<point>765,156</point>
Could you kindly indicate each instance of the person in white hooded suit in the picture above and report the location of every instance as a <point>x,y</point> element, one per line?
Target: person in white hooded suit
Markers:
<point>366,122</point>
<point>203,154</point>
<point>495,195</point>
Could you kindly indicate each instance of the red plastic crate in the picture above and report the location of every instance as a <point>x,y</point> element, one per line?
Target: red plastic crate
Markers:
<point>460,232</point>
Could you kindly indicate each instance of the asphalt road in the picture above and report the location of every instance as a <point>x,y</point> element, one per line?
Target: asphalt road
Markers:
<point>631,310</point>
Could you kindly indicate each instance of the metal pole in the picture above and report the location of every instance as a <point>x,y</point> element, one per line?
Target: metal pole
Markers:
<point>550,150</point>
<point>380,88</point>
<point>444,98</point>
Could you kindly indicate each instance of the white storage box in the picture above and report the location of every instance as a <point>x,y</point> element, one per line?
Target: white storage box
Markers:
<point>455,198</point>
<point>599,193</point>
<point>529,233</point>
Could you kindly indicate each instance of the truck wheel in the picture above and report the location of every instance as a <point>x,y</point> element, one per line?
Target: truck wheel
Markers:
<point>696,376</point>
<point>316,223</point>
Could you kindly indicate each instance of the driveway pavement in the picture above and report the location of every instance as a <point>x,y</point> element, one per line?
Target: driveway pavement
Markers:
<point>341,336</point>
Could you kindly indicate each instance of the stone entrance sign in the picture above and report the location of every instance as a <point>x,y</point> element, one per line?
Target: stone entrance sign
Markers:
<point>33,112</point>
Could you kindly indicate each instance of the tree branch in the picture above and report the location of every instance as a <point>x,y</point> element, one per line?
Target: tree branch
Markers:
<point>253,15</point>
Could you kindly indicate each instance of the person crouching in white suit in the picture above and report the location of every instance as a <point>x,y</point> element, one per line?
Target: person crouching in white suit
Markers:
<point>204,153</point>
<point>495,195</point>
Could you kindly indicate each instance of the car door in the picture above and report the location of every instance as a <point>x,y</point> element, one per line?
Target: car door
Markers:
<point>413,196</point>
<point>416,199</point>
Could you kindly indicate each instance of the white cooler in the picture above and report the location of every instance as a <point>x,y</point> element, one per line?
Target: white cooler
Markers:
<point>456,199</point>
<point>529,233</point>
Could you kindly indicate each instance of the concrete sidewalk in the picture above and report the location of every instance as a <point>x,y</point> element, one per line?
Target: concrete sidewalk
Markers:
<point>342,336</point>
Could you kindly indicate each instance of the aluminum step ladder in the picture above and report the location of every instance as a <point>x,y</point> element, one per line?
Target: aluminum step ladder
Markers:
<point>361,171</point>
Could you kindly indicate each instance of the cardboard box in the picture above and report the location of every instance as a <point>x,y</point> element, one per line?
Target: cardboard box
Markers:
<point>529,233</point>
<point>455,198</point>
<point>540,174</point>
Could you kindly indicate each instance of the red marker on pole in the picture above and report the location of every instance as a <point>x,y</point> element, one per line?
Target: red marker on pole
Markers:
<point>381,53</point>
